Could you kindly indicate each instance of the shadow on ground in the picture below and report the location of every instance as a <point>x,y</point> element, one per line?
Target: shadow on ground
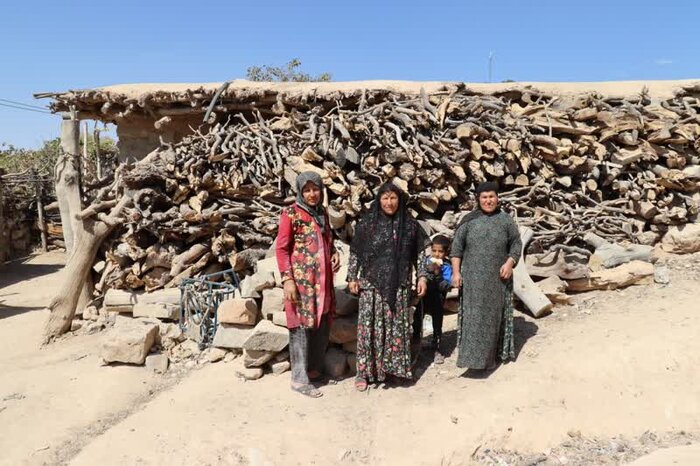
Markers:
<point>17,271</point>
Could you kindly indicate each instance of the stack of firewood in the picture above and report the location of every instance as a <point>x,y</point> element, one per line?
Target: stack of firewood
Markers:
<point>623,169</point>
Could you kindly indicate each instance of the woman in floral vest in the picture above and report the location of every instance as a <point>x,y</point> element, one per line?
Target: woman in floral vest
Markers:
<point>307,260</point>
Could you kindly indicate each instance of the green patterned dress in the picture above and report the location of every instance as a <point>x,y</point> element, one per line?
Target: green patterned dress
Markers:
<point>486,311</point>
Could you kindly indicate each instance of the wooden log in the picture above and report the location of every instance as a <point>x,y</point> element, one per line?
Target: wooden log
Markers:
<point>608,255</point>
<point>524,288</point>
<point>630,273</point>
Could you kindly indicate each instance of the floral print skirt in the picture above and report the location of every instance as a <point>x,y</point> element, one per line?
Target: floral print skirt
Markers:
<point>383,336</point>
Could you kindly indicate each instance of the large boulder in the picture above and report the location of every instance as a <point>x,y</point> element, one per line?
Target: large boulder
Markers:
<point>682,239</point>
<point>240,311</point>
<point>344,330</point>
<point>346,303</point>
<point>335,362</point>
<point>267,336</point>
<point>129,341</point>
<point>231,336</point>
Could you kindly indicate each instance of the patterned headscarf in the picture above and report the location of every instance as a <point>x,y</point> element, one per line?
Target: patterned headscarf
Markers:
<point>317,211</point>
<point>387,246</point>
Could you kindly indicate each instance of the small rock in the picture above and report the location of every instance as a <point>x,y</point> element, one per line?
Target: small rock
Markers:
<point>273,302</point>
<point>230,356</point>
<point>169,335</point>
<point>94,327</point>
<point>280,367</point>
<point>91,313</point>
<point>216,354</point>
<point>157,363</point>
<point>190,364</point>
<point>164,311</point>
<point>263,280</point>
<point>247,288</point>
<point>281,356</point>
<point>661,275</point>
<point>280,318</point>
<point>76,325</point>
<point>188,349</point>
<point>336,362</point>
<point>256,358</point>
<point>248,373</point>
<point>267,336</point>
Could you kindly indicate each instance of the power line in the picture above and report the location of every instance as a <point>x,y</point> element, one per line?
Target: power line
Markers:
<point>23,104</point>
<point>24,108</point>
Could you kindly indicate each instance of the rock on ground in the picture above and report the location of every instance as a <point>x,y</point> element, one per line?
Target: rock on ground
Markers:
<point>682,239</point>
<point>129,341</point>
<point>256,358</point>
<point>157,363</point>
<point>231,336</point>
<point>267,336</point>
<point>335,363</point>
<point>216,354</point>
<point>280,367</point>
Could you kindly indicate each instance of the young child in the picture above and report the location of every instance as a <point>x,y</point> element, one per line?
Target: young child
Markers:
<point>439,275</point>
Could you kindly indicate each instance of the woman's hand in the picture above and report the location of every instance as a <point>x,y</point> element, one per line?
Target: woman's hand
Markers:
<point>421,287</point>
<point>354,287</point>
<point>290,291</point>
<point>507,269</point>
<point>335,262</point>
<point>456,279</point>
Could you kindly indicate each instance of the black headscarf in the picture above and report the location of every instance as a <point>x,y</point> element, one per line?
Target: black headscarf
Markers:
<point>387,246</point>
<point>315,211</point>
<point>484,187</point>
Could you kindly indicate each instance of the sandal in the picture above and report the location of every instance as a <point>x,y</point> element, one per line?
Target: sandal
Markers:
<point>439,358</point>
<point>360,384</point>
<point>308,390</point>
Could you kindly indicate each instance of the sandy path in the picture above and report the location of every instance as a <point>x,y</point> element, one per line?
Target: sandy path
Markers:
<point>623,363</point>
<point>55,396</point>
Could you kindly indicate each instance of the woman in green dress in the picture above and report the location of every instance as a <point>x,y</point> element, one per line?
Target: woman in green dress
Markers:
<point>484,252</point>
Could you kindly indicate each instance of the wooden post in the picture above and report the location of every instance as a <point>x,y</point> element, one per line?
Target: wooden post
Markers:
<point>40,216</point>
<point>98,154</point>
<point>3,243</point>
<point>66,177</point>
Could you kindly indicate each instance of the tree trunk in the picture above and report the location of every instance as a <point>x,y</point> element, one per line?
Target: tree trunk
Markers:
<point>88,239</point>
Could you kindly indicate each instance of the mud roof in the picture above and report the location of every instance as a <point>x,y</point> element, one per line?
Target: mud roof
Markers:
<point>157,100</point>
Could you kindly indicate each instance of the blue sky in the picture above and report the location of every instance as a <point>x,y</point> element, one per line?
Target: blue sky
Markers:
<point>57,45</point>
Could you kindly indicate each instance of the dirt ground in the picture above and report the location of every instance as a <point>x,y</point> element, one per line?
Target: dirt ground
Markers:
<point>604,381</point>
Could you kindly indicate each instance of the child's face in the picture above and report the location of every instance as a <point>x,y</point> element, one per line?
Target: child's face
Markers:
<point>438,251</point>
